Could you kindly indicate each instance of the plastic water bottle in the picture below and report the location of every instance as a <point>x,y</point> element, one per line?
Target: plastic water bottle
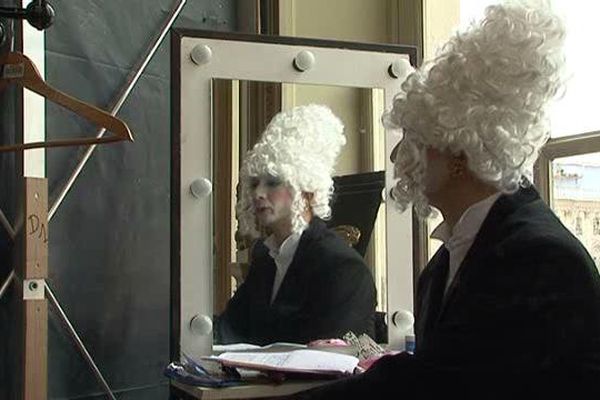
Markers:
<point>409,343</point>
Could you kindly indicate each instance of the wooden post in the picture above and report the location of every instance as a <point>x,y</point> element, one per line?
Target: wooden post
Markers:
<point>34,271</point>
<point>222,139</point>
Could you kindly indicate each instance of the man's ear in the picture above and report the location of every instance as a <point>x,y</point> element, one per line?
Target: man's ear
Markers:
<point>458,166</point>
<point>308,196</point>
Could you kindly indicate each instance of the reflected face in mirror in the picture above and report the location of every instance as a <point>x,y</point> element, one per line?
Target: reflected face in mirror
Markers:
<point>272,201</point>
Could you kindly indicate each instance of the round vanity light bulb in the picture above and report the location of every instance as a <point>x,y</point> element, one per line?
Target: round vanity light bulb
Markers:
<point>400,68</point>
<point>403,320</point>
<point>201,188</point>
<point>201,325</point>
<point>304,61</point>
<point>201,54</point>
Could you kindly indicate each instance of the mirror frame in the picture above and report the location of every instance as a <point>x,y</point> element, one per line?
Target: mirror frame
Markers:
<point>237,56</point>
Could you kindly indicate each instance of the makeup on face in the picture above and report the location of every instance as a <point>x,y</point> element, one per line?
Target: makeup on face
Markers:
<point>272,199</point>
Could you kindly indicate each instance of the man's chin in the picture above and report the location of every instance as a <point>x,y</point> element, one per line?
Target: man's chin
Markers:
<point>266,220</point>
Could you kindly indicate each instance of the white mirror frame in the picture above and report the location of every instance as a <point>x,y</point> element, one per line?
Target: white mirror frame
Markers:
<point>34,105</point>
<point>269,59</point>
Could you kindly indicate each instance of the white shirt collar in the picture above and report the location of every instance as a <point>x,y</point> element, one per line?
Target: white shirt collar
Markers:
<point>283,257</point>
<point>468,224</point>
<point>459,240</point>
<point>286,250</point>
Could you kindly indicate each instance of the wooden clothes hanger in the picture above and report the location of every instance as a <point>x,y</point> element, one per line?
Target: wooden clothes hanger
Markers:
<point>18,68</point>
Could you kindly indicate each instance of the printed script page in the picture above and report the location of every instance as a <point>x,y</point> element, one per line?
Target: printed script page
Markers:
<point>297,360</point>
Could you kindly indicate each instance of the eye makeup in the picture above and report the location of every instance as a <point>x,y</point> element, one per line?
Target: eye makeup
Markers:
<point>269,181</point>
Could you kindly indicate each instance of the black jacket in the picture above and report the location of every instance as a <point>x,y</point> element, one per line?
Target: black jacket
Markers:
<point>326,292</point>
<point>521,318</point>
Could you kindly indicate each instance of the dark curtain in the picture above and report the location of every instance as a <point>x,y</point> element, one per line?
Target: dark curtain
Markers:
<point>109,240</point>
<point>10,131</point>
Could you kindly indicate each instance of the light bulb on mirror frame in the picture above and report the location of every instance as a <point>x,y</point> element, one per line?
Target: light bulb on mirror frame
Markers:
<point>403,320</point>
<point>201,325</point>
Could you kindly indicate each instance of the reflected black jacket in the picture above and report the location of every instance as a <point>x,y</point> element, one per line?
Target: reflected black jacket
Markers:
<point>521,319</point>
<point>327,291</point>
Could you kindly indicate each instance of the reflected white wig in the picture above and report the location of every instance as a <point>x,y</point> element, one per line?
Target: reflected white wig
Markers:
<point>484,95</point>
<point>300,147</point>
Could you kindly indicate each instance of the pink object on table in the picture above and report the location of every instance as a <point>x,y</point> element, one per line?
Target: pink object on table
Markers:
<point>327,342</point>
<point>368,362</point>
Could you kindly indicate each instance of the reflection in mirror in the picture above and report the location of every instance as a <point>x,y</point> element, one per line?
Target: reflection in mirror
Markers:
<point>358,218</point>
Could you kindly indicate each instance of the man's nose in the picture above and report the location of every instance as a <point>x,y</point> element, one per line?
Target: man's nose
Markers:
<point>260,191</point>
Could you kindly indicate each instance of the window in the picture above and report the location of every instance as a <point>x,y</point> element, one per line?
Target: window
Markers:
<point>568,171</point>
<point>575,197</point>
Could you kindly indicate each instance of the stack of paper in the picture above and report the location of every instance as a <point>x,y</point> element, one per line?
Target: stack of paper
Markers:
<point>273,347</point>
<point>303,361</point>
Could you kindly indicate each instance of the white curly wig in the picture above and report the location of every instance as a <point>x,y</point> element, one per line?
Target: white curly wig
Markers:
<point>484,95</point>
<point>299,146</point>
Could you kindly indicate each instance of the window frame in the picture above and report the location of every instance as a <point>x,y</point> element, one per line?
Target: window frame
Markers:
<point>560,147</point>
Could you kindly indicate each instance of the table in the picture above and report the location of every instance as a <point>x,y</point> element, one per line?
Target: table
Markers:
<point>250,391</point>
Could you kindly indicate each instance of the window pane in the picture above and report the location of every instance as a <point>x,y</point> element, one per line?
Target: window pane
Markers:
<point>577,111</point>
<point>576,190</point>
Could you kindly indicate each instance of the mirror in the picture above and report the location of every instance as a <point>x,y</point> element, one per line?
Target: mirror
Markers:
<point>260,75</point>
<point>358,214</point>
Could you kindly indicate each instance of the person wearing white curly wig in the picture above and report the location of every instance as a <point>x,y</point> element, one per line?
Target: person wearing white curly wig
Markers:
<point>304,282</point>
<point>509,306</point>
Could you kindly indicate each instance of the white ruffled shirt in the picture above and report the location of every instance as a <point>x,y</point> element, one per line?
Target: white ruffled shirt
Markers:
<point>283,256</point>
<point>458,240</point>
